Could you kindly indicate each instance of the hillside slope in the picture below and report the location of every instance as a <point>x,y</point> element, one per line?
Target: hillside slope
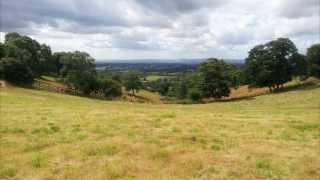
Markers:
<point>55,136</point>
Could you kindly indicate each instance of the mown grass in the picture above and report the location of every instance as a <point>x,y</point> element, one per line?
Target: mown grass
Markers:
<point>46,135</point>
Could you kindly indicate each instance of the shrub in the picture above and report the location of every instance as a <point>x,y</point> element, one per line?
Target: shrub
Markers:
<point>194,95</point>
<point>111,88</point>
<point>15,71</point>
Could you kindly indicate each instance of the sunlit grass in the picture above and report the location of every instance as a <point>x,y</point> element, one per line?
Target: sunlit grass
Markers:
<point>54,136</point>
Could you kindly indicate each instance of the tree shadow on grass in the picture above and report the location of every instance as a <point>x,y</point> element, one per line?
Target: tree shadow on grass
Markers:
<point>299,87</point>
<point>243,98</point>
<point>306,86</point>
<point>138,99</point>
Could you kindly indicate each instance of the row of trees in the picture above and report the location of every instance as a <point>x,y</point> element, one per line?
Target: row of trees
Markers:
<point>267,65</point>
<point>213,78</point>
<point>22,59</point>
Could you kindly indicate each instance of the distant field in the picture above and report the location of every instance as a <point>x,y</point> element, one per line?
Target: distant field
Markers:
<point>156,77</point>
<point>47,135</point>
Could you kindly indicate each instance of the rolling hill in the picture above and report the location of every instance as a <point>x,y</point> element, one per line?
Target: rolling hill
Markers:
<point>48,135</point>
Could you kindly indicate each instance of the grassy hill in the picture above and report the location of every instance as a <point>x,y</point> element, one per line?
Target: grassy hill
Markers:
<point>55,136</point>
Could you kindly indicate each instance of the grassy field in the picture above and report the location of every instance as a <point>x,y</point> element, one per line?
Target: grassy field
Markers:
<point>156,77</point>
<point>47,135</point>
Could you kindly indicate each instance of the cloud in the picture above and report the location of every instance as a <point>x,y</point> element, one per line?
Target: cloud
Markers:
<point>24,13</point>
<point>170,7</point>
<point>162,29</point>
<point>299,8</point>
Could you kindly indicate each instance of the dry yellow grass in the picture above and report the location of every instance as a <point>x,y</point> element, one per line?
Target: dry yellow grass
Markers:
<point>47,135</point>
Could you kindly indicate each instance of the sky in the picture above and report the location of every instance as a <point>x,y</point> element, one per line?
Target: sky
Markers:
<point>162,29</point>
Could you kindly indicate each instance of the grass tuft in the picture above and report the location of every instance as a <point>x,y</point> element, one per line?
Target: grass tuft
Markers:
<point>7,172</point>
<point>101,151</point>
<point>215,147</point>
<point>39,160</point>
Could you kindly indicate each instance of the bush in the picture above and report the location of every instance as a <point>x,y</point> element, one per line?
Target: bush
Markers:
<point>194,95</point>
<point>313,58</point>
<point>86,82</point>
<point>132,82</point>
<point>111,88</point>
<point>15,71</point>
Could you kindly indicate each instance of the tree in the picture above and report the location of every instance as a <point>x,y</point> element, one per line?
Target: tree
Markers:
<point>111,88</point>
<point>194,94</point>
<point>77,69</point>
<point>216,78</point>
<point>187,85</point>
<point>15,71</point>
<point>313,58</point>
<point>2,50</point>
<point>270,65</point>
<point>48,66</point>
<point>163,86</point>
<point>132,82</point>
<point>71,61</point>
<point>299,66</point>
<point>235,75</point>
<point>182,89</point>
<point>86,82</point>
<point>25,49</point>
<point>11,36</point>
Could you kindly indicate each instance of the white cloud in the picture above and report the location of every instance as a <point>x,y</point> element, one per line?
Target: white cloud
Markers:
<point>128,29</point>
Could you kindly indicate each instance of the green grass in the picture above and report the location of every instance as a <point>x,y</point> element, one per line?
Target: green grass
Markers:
<point>46,135</point>
<point>156,77</point>
<point>48,78</point>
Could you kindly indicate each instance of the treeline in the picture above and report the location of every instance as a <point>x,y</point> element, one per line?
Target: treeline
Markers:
<point>22,59</point>
<point>267,65</point>
<point>212,78</point>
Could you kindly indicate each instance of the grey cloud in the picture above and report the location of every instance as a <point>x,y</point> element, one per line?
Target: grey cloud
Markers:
<point>157,25</point>
<point>177,7</point>
<point>134,45</point>
<point>20,13</point>
<point>235,38</point>
<point>299,8</point>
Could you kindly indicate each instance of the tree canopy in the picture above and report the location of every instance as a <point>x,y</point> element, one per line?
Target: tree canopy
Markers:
<point>132,82</point>
<point>22,59</point>
<point>313,57</point>
<point>271,64</point>
<point>15,71</point>
<point>216,78</point>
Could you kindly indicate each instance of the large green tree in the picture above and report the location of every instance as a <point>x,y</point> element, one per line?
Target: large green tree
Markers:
<point>299,66</point>
<point>270,64</point>
<point>2,50</point>
<point>132,82</point>
<point>28,51</point>
<point>163,86</point>
<point>216,78</point>
<point>78,70</point>
<point>15,71</point>
<point>46,59</point>
<point>313,57</point>
<point>25,49</point>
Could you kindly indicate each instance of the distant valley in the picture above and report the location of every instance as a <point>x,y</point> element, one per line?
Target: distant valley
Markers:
<point>155,65</point>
